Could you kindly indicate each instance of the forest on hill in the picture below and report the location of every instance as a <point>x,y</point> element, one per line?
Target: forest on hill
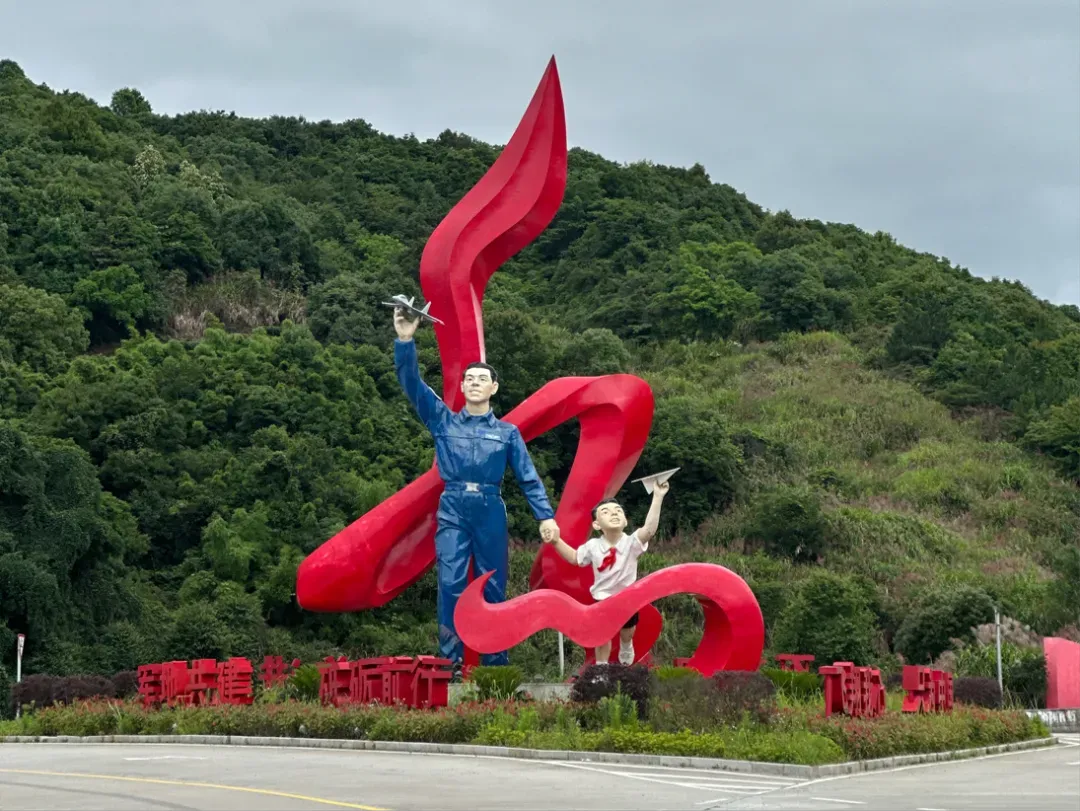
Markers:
<point>197,389</point>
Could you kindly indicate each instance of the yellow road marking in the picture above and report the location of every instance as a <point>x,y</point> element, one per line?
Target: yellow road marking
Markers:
<point>191,784</point>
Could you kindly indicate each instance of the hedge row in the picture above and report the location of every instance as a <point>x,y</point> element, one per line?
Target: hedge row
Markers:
<point>41,690</point>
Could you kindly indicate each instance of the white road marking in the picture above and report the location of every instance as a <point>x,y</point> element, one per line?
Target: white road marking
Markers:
<point>717,782</point>
<point>929,809</point>
<point>758,778</point>
<point>726,779</point>
<point>831,800</point>
<point>167,757</point>
<point>1074,763</point>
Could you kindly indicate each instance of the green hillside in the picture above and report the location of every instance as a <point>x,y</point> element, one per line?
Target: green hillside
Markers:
<point>196,390</point>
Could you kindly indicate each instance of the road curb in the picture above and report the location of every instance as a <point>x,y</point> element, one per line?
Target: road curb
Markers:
<point>670,761</point>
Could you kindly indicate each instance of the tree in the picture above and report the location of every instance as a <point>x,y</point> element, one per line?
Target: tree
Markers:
<point>1058,435</point>
<point>39,329</point>
<point>128,101</point>
<point>113,300</point>
<point>830,618</point>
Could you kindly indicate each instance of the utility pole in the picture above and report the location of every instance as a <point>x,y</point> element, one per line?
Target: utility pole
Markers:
<point>562,658</point>
<point>19,644</point>
<point>997,631</point>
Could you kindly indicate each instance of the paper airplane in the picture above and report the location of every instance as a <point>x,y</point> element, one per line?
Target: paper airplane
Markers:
<point>649,482</point>
<point>406,303</point>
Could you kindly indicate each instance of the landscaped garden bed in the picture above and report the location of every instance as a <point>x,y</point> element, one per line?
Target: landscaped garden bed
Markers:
<point>669,711</point>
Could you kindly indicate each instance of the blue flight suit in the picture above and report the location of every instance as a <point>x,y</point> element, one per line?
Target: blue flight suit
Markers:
<point>471,453</point>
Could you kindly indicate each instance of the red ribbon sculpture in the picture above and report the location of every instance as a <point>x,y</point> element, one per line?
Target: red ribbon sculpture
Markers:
<point>379,555</point>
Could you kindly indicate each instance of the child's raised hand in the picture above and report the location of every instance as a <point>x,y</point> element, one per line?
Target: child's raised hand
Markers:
<point>660,489</point>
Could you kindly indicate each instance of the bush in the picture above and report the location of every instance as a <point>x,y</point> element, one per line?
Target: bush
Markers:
<point>702,705</point>
<point>303,683</point>
<point>126,683</point>
<point>6,698</point>
<point>897,733</point>
<point>1023,670</point>
<point>942,616</point>
<point>497,682</point>
<point>42,690</point>
<point>745,693</point>
<point>978,691</point>
<point>667,672</point>
<point>689,703</point>
<point>600,681</point>
<point>829,617</point>
<point>796,686</point>
<point>789,523</point>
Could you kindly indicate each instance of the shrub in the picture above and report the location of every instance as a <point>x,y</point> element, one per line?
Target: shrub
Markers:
<point>690,703</point>
<point>667,672</point>
<point>1023,670</point>
<point>829,617</point>
<point>618,712</point>
<point>900,734</point>
<point>978,691</point>
<point>600,681</point>
<point>702,705</point>
<point>497,682</point>
<point>42,690</point>
<point>789,523</point>
<point>6,697</point>
<point>942,615</point>
<point>126,684</point>
<point>797,686</point>
<point>303,683</point>
<point>743,693</point>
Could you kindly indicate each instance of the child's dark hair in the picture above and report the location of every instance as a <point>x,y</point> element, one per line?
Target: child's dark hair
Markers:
<point>602,503</point>
<point>481,365</point>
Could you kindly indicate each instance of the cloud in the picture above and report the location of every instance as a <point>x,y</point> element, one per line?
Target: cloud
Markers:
<point>953,125</point>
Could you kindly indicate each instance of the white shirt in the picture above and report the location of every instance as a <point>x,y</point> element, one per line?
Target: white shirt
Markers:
<point>617,574</point>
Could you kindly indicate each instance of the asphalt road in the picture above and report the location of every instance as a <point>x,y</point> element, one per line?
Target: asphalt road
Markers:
<point>51,777</point>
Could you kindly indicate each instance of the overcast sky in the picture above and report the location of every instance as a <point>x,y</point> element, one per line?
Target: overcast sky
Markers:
<point>954,125</point>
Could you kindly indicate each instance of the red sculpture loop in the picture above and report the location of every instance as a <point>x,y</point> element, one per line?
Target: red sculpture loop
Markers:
<point>734,633</point>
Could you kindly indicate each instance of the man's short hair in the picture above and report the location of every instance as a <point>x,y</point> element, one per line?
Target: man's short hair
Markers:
<point>480,365</point>
<point>602,503</point>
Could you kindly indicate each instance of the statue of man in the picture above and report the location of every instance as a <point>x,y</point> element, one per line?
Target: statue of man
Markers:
<point>472,450</point>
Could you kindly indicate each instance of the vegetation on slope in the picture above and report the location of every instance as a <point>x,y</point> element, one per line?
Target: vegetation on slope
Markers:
<point>196,389</point>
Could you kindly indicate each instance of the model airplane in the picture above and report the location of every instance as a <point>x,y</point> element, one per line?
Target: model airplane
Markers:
<point>406,303</point>
<point>650,482</point>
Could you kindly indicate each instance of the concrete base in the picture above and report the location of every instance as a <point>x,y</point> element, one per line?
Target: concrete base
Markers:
<point>1058,720</point>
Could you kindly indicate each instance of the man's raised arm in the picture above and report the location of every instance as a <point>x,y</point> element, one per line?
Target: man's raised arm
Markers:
<point>406,364</point>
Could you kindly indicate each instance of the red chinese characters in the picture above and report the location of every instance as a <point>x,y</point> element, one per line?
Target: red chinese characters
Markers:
<point>420,681</point>
<point>273,672</point>
<point>927,690</point>
<point>853,691</point>
<point>796,662</point>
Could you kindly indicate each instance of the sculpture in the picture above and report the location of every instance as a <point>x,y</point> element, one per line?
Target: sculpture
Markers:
<point>384,551</point>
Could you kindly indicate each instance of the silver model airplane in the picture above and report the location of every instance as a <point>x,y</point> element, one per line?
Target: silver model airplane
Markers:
<point>650,482</point>
<point>406,303</point>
